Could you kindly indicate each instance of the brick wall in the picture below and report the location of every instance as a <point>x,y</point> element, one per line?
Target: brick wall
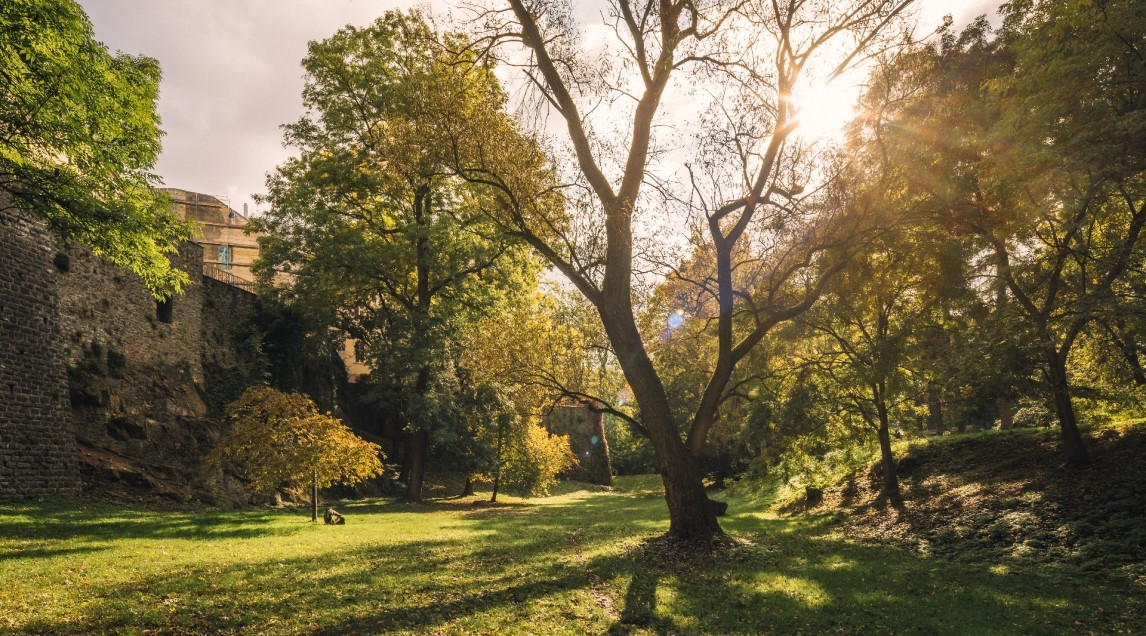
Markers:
<point>37,446</point>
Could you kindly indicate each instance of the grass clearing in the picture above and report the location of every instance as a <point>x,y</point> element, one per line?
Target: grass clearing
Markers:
<point>568,564</point>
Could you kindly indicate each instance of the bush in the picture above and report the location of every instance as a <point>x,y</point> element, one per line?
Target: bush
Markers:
<point>533,458</point>
<point>1034,416</point>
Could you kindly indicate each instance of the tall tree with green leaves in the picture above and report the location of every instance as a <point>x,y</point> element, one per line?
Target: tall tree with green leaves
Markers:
<point>79,137</point>
<point>1032,143</point>
<point>369,230</point>
<point>738,174</point>
<point>861,337</point>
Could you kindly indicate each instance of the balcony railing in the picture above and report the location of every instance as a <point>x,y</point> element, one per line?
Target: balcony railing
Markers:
<point>223,276</point>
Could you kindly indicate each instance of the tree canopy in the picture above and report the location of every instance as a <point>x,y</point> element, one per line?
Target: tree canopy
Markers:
<point>281,439</point>
<point>375,235</point>
<point>79,136</point>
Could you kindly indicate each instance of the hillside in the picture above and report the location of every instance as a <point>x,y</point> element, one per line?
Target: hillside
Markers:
<point>1008,498</point>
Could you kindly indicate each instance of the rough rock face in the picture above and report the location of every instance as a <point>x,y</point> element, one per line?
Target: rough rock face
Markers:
<point>147,379</point>
<point>37,449</point>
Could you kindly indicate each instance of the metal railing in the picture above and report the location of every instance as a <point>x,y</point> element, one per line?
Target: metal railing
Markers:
<point>223,276</point>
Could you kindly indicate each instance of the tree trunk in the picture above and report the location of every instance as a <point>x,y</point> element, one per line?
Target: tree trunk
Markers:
<point>420,439</point>
<point>404,471</point>
<point>691,516</point>
<point>890,481</point>
<point>1129,349</point>
<point>1072,444</point>
<point>1135,363</point>
<point>468,489</point>
<point>416,459</point>
<point>1006,416</point>
<point>935,408</point>
<point>497,465</point>
<point>314,498</point>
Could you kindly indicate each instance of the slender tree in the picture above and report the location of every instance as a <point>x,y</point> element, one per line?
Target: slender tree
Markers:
<point>281,439</point>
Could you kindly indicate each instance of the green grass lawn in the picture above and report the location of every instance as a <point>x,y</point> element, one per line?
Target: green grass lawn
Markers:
<point>569,564</point>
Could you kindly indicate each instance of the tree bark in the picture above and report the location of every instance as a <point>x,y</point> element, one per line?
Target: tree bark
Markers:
<point>1006,416</point>
<point>420,438</point>
<point>934,408</point>
<point>497,465</point>
<point>691,517</point>
<point>404,471</point>
<point>1131,353</point>
<point>890,481</point>
<point>1129,349</point>
<point>314,498</point>
<point>416,458</point>
<point>1076,453</point>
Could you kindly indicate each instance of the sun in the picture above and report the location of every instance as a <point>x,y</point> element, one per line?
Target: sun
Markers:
<point>825,107</point>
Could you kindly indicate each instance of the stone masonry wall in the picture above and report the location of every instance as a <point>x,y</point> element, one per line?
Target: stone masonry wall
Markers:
<point>229,314</point>
<point>104,304</point>
<point>134,371</point>
<point>37,446</point>
<point>229,349</point>
<point>99,381</point>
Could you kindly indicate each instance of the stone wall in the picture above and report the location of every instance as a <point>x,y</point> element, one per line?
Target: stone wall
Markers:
<point>133,367</point>
<point>148,382</point>
<point>586,433</point>
<point>37,447</point>
<point>100,381</point>
<point>230,345</point>
<point>105,304</point>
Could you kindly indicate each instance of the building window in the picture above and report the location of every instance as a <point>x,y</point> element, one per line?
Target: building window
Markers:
<point>164,310</point>
<point>224,257</point>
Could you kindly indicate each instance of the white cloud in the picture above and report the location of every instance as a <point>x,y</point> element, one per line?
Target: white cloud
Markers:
<point>231,74</point>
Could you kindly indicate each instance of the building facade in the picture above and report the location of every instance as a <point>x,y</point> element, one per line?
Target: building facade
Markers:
<point>222,232</point>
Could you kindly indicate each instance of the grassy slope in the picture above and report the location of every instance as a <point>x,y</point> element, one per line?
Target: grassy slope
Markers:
<point>568,564</point>
<point>1006,497</point>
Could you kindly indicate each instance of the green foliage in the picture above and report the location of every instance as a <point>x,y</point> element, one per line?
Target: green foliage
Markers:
<point>630,452</point>
<point>79,136</point>
<point>382,243</point>
<point>1027,149</point>
<point>1034,415</point>
<point>279,439</point>
<point>533,458</point>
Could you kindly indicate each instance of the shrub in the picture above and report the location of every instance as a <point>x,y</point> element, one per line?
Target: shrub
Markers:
<point>533,458</point>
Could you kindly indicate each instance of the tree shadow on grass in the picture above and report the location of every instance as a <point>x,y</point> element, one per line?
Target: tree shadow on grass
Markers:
<point>87,522</point>
<point>560,570</point>
<point>44,552</point>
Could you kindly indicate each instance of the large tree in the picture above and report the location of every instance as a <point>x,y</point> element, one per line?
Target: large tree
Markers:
<point>1031,144</point>
<point>736,171</point>
<point>374,235</point>
<point>79,136</point>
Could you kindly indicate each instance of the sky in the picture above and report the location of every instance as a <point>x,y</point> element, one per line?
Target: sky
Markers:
<point>231,75</point>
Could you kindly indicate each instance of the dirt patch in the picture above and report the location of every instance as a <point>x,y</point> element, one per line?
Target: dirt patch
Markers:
<point>1011,498</point>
